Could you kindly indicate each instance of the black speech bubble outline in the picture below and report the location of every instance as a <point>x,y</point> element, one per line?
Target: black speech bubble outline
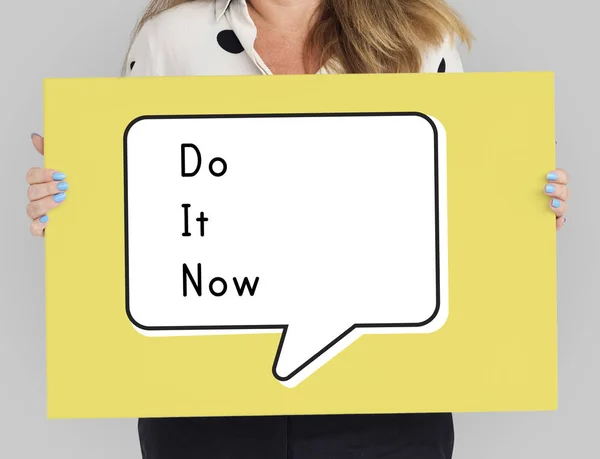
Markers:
<point>285,327</point>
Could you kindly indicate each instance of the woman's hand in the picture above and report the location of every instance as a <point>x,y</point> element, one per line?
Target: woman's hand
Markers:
<point>557,188</point>
<point>46,191</point>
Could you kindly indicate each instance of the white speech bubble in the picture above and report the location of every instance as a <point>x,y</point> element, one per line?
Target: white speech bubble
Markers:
<point>338,223</point>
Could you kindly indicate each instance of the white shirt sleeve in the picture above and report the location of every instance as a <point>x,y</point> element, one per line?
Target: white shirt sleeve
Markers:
<point>142,59</point>
<point>443,59</point>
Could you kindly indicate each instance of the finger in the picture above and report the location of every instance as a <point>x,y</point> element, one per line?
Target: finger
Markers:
<point>560,222</point>
<point>558,176</point>
<point>36,209</point>
<point>41,190</point>
<point>38,226</point>
<point>38,142</point>
<point>559,207</point>
<point>41,175</point>
<point>557,190</point>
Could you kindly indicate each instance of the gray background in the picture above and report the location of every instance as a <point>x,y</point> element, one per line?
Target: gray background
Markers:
<point>71,38</point>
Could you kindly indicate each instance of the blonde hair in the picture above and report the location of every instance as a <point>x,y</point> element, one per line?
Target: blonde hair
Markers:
<point>367,36</point>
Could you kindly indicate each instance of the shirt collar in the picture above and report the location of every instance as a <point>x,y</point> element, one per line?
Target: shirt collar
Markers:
<point>220,8</point>
<point>244,28</point>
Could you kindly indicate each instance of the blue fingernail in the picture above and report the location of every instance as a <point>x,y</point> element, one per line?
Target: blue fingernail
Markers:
<point>63,186</point>
<point>59,197</point>
<point>549,188</point>
<point>552,176</point>
<point>555,203</point>
<point>44,219</point>
<point>58,176</point>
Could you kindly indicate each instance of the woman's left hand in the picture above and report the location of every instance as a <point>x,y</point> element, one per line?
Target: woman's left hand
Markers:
<point>559,193</point>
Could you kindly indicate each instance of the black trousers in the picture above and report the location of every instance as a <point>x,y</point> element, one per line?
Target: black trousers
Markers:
<point>397,436</point>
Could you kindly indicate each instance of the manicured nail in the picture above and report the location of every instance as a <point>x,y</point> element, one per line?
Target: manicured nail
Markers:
<point>59,197</point>
<point>552,176</point>
<point>58,176</point>
<point>555,203</point>
<point>33,133</point>
<point>44,219</point>
<point>549,188</point>
<point>564,219</point>
<point>63,186</point>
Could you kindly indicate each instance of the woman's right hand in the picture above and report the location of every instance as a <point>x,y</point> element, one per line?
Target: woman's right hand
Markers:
<point>46,191</point>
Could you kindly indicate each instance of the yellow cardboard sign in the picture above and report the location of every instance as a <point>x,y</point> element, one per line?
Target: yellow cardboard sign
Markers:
<point>301,244</point>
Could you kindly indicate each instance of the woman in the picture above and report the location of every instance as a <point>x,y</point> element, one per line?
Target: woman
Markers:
<point>224,37</point>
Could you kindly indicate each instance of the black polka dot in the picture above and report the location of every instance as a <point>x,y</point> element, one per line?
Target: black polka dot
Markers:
<point>131,65</point>
<point>442,67</point>
<point>229,41</point>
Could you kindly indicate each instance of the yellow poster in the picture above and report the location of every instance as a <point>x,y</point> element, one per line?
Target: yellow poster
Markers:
<point>315,244</point>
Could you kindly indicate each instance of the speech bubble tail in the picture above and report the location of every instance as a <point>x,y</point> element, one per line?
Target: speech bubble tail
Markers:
<point>303,349</point>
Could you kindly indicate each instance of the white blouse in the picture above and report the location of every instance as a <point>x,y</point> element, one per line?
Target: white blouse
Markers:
<point>217,38</point>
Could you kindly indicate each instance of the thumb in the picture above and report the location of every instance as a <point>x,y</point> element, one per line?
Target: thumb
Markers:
<point>38,142</point>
